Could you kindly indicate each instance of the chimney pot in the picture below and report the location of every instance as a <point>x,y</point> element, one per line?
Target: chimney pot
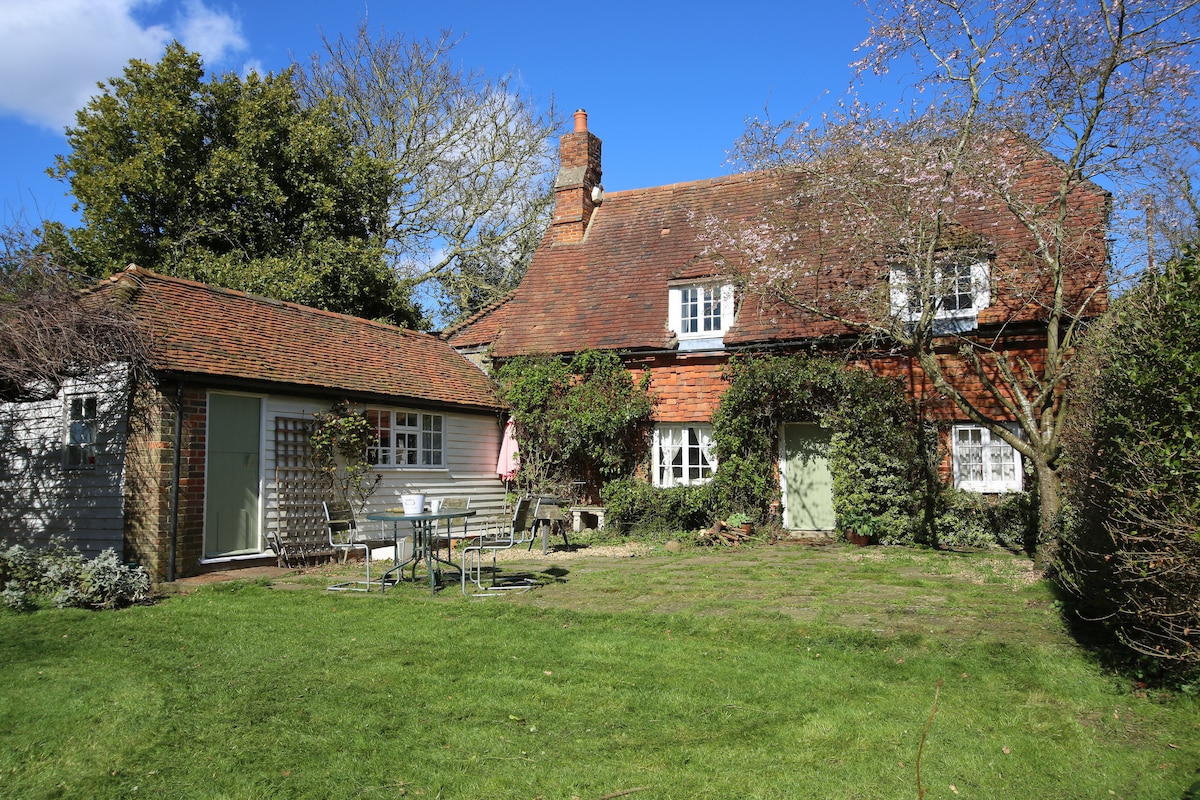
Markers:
<point>581,121</point>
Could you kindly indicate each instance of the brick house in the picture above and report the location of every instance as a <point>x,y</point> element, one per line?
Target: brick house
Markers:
<point>204,465</point>
<point>627,271</point>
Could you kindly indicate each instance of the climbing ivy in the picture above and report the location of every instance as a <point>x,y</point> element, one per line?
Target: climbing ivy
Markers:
<point>877,452</point>
<point>580,422</point>
<point>339,441</point>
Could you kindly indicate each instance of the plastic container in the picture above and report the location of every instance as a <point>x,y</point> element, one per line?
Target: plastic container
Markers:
<point>413,503</point>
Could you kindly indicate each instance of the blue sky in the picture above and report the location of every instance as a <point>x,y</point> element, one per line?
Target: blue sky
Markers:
<point>668,86</point>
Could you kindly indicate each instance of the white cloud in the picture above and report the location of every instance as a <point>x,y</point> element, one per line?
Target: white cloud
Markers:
<point>209,32</point>
<point>53,53</point>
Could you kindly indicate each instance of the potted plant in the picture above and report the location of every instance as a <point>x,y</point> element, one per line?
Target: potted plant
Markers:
<point>740,520</point>
<point>859,529</point>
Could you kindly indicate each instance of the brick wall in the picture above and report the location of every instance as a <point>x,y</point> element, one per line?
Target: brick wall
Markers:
<point>150,463</point>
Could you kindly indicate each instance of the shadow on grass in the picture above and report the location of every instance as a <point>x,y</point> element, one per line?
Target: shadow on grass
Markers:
<point>1087,627</point>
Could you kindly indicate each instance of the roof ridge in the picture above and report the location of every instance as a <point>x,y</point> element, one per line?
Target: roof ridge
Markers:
<point>446,333</point>
<point>719,179</point>
<point>137,272</point>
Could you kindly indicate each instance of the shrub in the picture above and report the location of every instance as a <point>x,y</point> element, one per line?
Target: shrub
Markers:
<point>635,507</point>
<point>580,421</point>
<point>67,579</point>
<point>1131,532</point>
<point>968,519</point>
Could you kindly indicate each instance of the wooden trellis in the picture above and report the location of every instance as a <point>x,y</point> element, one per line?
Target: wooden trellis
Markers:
<point>298,533</point>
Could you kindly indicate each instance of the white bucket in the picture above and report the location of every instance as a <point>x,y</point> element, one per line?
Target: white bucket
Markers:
<point>413,503</point>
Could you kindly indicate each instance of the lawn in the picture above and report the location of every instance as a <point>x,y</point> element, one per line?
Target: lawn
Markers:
<point>768,672</point>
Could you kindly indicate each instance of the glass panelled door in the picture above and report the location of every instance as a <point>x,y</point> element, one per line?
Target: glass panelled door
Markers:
<point>808,483</point>
<point>231,509</point>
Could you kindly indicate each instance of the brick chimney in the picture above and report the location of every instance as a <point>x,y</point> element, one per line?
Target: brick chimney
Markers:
<point>577,189</point>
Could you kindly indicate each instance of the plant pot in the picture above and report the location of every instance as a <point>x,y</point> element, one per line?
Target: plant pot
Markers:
<point>858,539</point>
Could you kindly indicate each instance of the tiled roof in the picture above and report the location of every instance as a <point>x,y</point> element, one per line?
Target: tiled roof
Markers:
<point>202,330</point>
<point>609,291</point>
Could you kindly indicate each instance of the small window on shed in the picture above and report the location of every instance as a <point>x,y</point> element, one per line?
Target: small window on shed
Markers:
<point>79,435</point>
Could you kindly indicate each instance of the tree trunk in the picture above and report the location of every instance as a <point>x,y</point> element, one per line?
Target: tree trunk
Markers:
<point>1049,506</point>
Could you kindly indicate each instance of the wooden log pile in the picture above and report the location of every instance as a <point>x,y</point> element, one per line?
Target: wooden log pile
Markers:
<point>722,534</point>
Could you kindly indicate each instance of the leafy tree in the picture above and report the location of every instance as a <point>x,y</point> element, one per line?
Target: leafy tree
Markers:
<point>232,181</point>
<point>1105,89</point>
<point>1131,543</point>
<point>469,160</point>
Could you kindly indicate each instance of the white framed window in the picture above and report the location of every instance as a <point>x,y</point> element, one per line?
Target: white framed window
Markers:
<point>683,455</point>
<point>407,439</point>
<point>958,291</point>
<point>983,462</point>
<point>79,431</point>
<point>699,315</point>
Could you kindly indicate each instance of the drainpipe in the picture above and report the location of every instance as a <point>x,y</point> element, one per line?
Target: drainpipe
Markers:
<point>178,450</point>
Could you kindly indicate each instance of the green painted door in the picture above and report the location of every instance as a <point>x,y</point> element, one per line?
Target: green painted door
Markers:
<point>808,484</point>
<point>231,507</point>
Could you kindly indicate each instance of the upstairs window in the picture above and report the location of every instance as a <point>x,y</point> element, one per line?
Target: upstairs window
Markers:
<point>79,435</point>
<point>957,292</point>
<point>700,315</point>
<point>683,455</point>
<point>407,439</point>
<point>983,462</point>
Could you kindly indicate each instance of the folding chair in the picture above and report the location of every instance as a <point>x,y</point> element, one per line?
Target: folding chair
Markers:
<point>495,538</point>
<point>345,535</point>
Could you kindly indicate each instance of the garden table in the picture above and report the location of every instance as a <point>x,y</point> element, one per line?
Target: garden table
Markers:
<point>425,545</point>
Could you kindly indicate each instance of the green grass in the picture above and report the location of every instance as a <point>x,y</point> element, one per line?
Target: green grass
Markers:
<point>775,672</point>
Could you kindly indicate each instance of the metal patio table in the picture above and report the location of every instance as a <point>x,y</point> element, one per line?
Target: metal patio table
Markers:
<point>424,527</point>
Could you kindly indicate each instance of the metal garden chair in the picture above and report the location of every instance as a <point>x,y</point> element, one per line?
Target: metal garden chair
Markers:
<point>345,535</point>
<point>501,536</point>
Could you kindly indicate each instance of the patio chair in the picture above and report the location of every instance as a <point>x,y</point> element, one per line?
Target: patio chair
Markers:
<point>445,533</point>
<point>345,535</point>
<point>494,538</point>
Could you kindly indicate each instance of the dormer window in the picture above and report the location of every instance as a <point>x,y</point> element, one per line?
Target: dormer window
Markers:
<point>700,315</point>
<point>957,291</point>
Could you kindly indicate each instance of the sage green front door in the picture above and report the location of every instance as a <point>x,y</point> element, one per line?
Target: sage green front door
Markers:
<point>807,482</point>
<point>231,507</point>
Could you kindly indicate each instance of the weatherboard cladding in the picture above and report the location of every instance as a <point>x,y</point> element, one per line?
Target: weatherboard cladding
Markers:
<point>203,330</point>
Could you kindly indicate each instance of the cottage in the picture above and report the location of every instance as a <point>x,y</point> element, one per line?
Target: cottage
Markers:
<point>629,271</point>
<point>205,464</point>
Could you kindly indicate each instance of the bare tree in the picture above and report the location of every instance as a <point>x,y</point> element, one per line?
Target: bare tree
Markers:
<point>470,159</point>
<point>1025,112</point>
<point>50,332</point>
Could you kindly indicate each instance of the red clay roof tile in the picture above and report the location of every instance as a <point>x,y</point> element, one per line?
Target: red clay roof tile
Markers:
<point>204,330</point>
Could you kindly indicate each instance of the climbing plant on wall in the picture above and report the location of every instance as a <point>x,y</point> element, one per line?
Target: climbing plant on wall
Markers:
<point>339,442</point>
<point>877,454</point>
<point>581,421</point>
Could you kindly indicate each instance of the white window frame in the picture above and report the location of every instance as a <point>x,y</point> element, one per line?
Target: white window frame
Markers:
<point>683,455</point>
<point>997,469</point>
<point>710,323</point>
<point>81,413</point>
<point>406,439</point>
<point>954,315</point>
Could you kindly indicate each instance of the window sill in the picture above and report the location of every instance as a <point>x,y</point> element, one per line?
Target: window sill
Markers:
<point>706,343</point>
<point>986,488</point>
<point>391,468</point>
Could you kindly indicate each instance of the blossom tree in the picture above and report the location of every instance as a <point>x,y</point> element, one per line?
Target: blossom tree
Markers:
<point>1039,132</point>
